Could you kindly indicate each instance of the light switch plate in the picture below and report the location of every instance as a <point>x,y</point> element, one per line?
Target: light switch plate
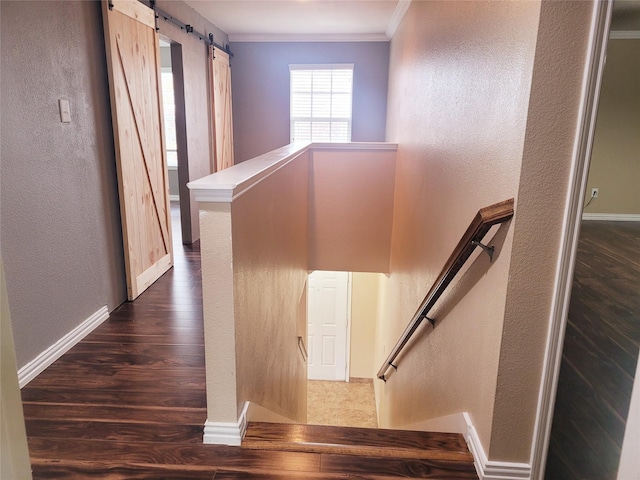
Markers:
<point>65,112</point>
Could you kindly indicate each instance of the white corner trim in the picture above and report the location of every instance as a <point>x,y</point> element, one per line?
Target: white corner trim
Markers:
<point>612,217</point>
<point>226,433</point>
<point>308,37</point>
<point>396,18</point>
<point>489,469</point>
<point>36,366</point>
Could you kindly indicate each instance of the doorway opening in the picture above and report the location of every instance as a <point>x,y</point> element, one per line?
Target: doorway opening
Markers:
<point>341,323</point>
<point>602,337</point>
<point>172,80</point>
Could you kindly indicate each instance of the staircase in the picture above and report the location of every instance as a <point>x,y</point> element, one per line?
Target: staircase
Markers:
<point>362,453</point>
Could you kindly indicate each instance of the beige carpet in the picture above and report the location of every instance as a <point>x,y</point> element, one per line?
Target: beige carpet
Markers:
<point>342,404</point>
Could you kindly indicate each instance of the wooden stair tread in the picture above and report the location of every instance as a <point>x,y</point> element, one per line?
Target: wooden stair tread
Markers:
<point>394,471</point>
<point>368,442</point>
<point>334,470</point>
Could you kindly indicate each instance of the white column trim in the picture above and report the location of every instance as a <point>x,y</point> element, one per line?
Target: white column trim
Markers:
<point>36,366</point>
<point>226,433</point>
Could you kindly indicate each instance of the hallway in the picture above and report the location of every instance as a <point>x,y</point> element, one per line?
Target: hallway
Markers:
<point>133,389</point>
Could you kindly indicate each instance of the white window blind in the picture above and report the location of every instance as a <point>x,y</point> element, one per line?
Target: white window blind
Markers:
<point>321,102</point>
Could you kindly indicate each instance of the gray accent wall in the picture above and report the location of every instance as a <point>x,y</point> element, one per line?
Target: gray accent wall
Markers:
<point>260,89</point>
<point>59,213</point>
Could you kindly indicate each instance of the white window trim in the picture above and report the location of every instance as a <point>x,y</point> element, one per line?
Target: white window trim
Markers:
<point>170,164</point>
<point>321,66</point>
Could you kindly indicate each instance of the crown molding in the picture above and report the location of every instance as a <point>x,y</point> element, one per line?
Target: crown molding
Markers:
<point>308,37</point>
<point>396,18</point>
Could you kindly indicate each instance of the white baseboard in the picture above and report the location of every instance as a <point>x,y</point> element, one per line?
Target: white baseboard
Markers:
<point>36,366</point>
<point>488,469</point>
<point>612,217</point>
<point>226,433</point>
<point>174,198</point>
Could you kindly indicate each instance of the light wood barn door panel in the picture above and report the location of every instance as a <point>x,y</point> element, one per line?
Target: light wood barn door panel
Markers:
<point>222,113</point>
<point>136,109</point>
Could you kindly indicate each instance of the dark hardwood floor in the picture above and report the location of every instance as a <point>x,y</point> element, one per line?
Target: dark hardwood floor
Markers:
<point>600,354</point>
<point>129,402</point>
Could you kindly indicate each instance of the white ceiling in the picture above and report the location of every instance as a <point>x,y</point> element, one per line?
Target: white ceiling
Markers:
<point>339,20</point>
<point>250,20</point>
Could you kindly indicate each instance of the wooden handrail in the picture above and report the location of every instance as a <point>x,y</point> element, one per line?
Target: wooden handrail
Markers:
<point>480,225</point>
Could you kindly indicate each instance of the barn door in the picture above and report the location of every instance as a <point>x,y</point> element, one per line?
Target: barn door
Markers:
<point>222,118</point>
<point>133,61</point>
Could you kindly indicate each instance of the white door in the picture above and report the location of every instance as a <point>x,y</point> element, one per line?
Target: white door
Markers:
<point>328,314</point>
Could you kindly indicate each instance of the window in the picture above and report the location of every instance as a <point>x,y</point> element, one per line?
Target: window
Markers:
<point>321,102</point>
<point>169,111</point>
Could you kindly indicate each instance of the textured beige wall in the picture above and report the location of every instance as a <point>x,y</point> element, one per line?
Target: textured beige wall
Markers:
<point>364,313</point>
<point>380,347</point>
<point>542,197</point>
<point>351,210</point>
<point>255,260</point>
<point>254,271</point>
<point>270,272</point>
<point>494,116</point>
<point>460,132</point>
<point>615,160</point>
